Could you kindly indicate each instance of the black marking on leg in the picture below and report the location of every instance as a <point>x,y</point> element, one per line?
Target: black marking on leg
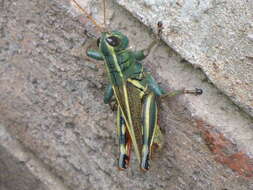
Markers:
<point>123,162</point>
<point>199,91</point>
<point>145,163</point>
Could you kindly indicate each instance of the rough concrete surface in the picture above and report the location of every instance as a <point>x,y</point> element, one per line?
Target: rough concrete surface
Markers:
<point>215,35</point>
<point>20,169</point>
<point>52,108</point>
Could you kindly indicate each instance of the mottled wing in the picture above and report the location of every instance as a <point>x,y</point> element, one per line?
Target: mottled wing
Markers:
<point>135,102</point>
<point>129,99</point>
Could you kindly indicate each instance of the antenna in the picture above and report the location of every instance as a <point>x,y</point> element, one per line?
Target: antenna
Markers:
<point>88,15</point>
<point>104,14</point>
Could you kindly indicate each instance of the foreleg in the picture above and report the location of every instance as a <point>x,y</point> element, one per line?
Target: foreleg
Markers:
<point>142,54</point>
<point>95,55</point>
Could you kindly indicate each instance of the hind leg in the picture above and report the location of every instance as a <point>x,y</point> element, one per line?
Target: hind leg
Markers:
<point>150,127</point>
<point>124,141</point>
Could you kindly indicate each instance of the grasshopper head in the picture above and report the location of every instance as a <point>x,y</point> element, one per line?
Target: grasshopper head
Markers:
<point>112,41</point>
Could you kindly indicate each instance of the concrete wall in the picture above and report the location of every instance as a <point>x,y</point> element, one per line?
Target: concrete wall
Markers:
<point>56,133</point>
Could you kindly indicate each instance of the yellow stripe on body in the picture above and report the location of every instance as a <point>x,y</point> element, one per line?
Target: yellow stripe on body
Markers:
<point>121,147</point>
<point>155,128</point>
<point>147,114</point>
<point>126,113</point>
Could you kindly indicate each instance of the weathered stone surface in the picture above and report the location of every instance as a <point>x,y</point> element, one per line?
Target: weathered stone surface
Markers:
<point>214,35</point>
<point>20,169</point>
<point>51,101</point>
<point>14,175</point>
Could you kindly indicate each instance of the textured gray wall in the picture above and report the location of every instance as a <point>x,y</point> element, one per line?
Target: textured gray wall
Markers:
<point>53,115</point>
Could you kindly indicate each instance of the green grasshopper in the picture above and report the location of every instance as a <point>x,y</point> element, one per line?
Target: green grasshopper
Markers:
<point>136,93</point>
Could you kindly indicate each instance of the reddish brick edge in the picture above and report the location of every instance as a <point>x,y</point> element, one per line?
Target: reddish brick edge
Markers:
<point>225,151</point>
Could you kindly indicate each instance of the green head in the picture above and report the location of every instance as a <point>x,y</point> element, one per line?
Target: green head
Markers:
<point>110,42</point>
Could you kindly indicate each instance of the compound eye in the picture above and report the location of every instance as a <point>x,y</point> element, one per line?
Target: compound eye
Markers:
<point>113,41</point>
<point>98,42</point>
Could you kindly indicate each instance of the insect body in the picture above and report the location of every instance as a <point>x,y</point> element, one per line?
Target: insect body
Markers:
<point>136,93</point>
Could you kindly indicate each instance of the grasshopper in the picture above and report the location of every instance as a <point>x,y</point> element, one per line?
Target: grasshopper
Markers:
<point>136,93</point>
